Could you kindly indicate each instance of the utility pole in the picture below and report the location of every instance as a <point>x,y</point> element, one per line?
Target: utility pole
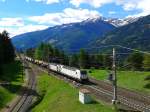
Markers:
<point>48,59</point>
<point>114,100</point>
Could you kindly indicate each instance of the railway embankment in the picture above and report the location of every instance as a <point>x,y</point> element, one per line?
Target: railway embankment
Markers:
<point>57,95</point>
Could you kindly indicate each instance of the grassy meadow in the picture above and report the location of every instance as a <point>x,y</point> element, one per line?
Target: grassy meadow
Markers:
<point>134,80</point>
<point>12,74</point>
<point>58,96</point>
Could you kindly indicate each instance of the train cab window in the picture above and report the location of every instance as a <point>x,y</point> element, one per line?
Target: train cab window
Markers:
<point>84,72</point>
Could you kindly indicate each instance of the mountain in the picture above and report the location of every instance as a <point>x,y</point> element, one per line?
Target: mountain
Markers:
<point>117,22</point>
<point>134,35</point>
<point>121,22</point>
<point>67,36</point>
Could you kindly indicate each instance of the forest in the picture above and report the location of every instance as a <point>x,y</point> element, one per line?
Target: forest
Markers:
<point>85,60</point>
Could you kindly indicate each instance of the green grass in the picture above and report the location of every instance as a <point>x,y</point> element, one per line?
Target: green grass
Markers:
<point>11,73</point>
<point>59,96</point>
<point>128,79</point>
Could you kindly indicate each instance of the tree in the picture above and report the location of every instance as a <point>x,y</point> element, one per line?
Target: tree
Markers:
<point>63,58</point>
<point>30,52</point>
<point>1,50</point>
<point>7,53</point>
<point>146,62</point>
<point>7,48</point>
<point>107,61</point>
<point>56,52</point>
<point>136,60</point>
<point>97,60</point>
<point>1,54</point>
<point>83,59</point>
<point>100,60</point>
<point>39,52</point>
<point>73,60</point>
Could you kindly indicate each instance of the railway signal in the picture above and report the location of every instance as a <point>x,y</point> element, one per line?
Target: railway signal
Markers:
<point>110,77</point>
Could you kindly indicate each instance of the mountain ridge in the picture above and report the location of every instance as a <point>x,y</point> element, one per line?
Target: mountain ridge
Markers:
<point>134,35</point>
<point>66,36</point>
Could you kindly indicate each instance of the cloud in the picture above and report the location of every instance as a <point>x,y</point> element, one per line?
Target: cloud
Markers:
<point>23,29</point>
<point>45,1</point>
<point>2,0</point>
<point>68,15</point>
<point>144,6</point>
<point>111,12</point>
<point>18,25</point>
<point>127,5</point>
<point>11,22</point>
<point>95,3</point>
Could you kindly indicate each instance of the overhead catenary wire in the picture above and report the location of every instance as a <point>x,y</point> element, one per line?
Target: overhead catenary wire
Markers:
<point>144,52</point>
<point>107,46</point>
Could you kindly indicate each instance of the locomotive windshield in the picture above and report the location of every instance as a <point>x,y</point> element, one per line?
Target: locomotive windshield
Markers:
<point>84,72</point>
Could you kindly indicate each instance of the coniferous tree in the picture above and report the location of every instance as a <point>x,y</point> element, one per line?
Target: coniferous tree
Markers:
<point>146,62</point>
<point>30,52</point>
<point>39,52</point>
<point>100,60</point>
<point>107,61</point>
<point>56,52</point>
<point>73,61</point>
<point>96,60</point>
<point>136,60</point>
<point>63,58</point>
<point>7,48</point>
<point>7,53</point>
<point>1,54</point>
<point>1,49</point>
<point>83,59</point>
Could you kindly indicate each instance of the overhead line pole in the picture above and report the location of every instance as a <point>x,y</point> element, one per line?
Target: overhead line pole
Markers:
<point>48,57</point>
<point>114,100</point>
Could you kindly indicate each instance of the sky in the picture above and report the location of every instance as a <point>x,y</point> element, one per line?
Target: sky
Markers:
<point>20,16</point>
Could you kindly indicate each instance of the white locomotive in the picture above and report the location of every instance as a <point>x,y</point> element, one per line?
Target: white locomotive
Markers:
<point>74,73</point>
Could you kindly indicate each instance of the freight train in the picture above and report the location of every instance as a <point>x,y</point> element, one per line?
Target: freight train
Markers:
<point>71,72</point>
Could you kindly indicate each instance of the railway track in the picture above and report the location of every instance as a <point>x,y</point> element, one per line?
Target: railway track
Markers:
<point>134,104</point>
<point>24,101</point>
<point>104,91</point>
<point>126,92</point>
<point>140,101</point>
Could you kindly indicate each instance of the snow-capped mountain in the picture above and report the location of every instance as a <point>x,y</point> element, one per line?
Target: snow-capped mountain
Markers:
<point>121,22</point>
<point>66,36</point>
<point>134,35</point>
<point>72,35</point>
<point>114,21</point>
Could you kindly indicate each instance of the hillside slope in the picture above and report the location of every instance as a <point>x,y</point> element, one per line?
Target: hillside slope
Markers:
<point>134,35</point>
<point>67,36</point>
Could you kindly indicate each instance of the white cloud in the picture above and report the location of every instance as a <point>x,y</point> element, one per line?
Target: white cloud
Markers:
<point>18,25</point>
<point>95,3</point>
<point>127,5</point>
<point>11,22</point>
<point>68,15</point>
<point>46,1</point>
<point>112,12</point>
<point>145,6</point>
<point>23,29</point>
<point>2,0</point>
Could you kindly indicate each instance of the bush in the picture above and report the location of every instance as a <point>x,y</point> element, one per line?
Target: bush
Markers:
<point>147,78</point>
<point>90,71</point>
